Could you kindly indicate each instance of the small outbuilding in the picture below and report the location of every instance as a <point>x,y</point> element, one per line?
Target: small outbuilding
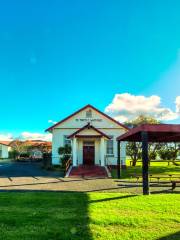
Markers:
<point>4,149</point>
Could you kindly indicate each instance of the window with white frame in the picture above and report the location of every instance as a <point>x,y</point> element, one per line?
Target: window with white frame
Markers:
<point>67,141</point>
<point>109,146</point>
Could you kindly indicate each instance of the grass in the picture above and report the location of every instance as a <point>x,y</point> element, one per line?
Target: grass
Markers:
<point>156,168</point>
<point>109,216</point>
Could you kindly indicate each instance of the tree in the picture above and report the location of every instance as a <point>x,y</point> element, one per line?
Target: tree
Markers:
<point>43,147</point>
<point>169,151</point>
<point>134,149</point>
<point>65,153</point>
<point>18,148</point>
<point>141,119</point>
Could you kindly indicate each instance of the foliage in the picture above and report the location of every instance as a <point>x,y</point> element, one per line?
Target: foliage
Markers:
<point>25,155</point>
<point>134,149</point>
<point>153,149</point>
<point>42,147</point>
<point>13,154</point>
<point>169,151</point>
<point>66,150</point>
<point>18,148</point>
<point>152,155</point>
<point>142,119</point>
<point>65,153</point>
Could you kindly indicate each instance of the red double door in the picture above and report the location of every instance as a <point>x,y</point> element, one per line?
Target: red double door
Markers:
<point>88,155</point>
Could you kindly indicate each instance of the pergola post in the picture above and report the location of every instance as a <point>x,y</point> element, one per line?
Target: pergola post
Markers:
<point>118,160</point>
<point>145,165</point>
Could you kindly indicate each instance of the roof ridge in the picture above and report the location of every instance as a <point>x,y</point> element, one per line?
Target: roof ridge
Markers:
<point>83,108</point>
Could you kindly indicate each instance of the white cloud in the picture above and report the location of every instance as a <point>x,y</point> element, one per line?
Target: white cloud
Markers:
<point>26,136</point>
<point>6,137</point>
<point>178,104</point>
<point>36,136</point>
<point>51,121</point>
<point>126,106</point>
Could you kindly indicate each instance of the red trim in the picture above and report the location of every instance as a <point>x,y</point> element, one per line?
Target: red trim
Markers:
<point>88,136</point>
<point>156,133</point>
<point>87,106</point>
<point>88,126</point>
<point>5,144</point>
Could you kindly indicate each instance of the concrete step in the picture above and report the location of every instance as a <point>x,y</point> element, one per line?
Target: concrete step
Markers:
<point>88,171</point>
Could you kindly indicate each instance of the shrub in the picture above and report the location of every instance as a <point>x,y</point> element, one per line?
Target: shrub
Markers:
<point>65,153</point>
<point>47,160</point>
<point>13,154</point>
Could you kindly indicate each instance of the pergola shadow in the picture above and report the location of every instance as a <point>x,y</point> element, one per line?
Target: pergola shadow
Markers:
<point>171,236</point>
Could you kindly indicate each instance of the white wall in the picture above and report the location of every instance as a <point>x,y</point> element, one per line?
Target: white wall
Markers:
<point>112,160</point>
<point>4,151</point>
<point>58,141</point>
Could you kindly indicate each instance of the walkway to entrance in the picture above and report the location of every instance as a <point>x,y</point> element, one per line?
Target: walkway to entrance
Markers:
<point>30,177</point>
<point>88,171</point>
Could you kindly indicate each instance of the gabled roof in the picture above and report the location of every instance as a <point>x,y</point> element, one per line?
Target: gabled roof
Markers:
<point>6,143</point>
<point>88,126</point>
<point>87,106</point>
<point>156,133</point>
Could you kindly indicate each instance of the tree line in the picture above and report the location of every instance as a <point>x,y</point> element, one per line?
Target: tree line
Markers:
<point>24,148</point>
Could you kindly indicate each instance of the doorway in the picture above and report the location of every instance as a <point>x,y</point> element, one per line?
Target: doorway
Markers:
<point>88,153</point>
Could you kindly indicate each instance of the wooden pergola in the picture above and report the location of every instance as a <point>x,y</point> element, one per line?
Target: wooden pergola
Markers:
<point>148,133</point>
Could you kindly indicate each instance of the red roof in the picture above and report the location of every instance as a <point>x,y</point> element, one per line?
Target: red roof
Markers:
<point>88,126</point>
<point>156,133</point>
<point>38,143</point>
<point>6,143</point>
<point>87,106</point>
<point>33,143</point>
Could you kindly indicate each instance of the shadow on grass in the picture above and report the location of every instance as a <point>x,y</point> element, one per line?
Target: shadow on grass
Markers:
<point>110,199</point>
<point>165,191</point>
<point>171,236</point>
<point>38,215</point>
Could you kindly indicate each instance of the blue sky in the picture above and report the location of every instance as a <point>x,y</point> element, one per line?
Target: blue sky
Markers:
<point>56,56</point>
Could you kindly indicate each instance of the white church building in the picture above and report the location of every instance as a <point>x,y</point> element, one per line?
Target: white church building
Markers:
<point>92,135</point>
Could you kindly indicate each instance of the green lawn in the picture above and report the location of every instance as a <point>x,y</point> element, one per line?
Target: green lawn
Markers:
<point>105,216</point>
<point>156,168</point>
